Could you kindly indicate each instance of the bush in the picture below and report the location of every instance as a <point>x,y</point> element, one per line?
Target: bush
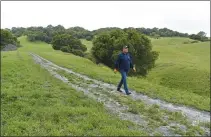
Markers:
<point>77,52</point>
<point>65,49</point>
<point>83,47</point>
<point>8,38</point>
<point>73,51</point>
<point>62,40</point>
<point>201,36</point>
<point>91,57</point>
<point>107,46</point>
<point>186,42</point>
<point>89,38</point>
<point>195,41</point>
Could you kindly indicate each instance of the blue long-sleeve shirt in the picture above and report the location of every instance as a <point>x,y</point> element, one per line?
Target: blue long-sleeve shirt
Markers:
<point>124,62</point>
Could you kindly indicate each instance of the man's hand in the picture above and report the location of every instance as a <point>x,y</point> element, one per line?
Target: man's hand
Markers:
<point>115,70</point>
<point>134,69</point>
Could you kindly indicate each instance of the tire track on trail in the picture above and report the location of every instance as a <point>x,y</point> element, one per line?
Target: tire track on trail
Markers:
<point>97,90</point>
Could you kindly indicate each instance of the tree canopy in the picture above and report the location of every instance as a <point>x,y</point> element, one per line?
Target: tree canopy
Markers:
<point>68,43</point>
<point>8,38</point>
<point>47,33</point>
<point>201,36</point>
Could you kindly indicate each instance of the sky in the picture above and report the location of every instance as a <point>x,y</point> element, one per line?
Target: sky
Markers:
<point>183,16</point>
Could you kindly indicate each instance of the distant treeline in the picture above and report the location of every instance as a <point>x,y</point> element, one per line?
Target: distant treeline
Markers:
<point>47,33</point>
<point>107,42</point>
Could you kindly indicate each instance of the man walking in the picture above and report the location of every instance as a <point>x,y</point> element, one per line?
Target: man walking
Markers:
<point>123,64</point>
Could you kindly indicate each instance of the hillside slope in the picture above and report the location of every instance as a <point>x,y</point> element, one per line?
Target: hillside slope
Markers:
<point>85,66</point>
<point>49,96</point>
<point>34,103</point>
<point>182,66</point>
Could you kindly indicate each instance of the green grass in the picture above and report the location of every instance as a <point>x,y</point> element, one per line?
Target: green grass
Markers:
<point>87,43</point>
<point>183,67</point>
<point>170,41</point>
<point>34,103</point>
<point>161,81</point>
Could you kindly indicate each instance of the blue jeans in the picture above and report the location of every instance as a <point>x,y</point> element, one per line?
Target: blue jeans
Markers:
<point>123,80</point>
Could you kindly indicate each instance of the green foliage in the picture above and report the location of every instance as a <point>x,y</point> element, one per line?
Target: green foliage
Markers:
<point>154,35</point>
<point>43,34</point>
<point>61,41</point>
<point>77,52</point>
<point>38,36</point>
<point>201,36</point>
<point>65,49</point>
<point>188,42</point>
<point>89,38</point>
<point>91,57</point>
<point>104,30</point>
<point>80,33</point>
<point>194,41</point>
<point>163,32</point>
<point>18,31</point>
<point>107,46</point>
<point>8,38</point>
<point>87,43</point>
<point>46,34</point>
<point>68,43</point>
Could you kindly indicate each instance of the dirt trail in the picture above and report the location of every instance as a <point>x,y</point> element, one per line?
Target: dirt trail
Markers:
<point>99,91</point>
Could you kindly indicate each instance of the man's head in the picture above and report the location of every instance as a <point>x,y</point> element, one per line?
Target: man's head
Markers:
<point>125,49</point>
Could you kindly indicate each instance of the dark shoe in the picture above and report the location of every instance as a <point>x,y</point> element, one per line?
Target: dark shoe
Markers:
<point>128,93</point>
<point>118,89</point>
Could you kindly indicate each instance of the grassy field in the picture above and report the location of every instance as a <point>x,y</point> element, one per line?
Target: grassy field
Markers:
<point>166,41</point>
<point>182,66</point>
<point>164,81</point>
<point>34,103</point>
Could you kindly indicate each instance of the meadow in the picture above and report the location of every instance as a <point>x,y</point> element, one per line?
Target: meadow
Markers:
<point>34,103</point>
<point>179,77</point>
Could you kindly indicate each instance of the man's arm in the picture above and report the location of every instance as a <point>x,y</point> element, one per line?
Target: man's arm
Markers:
<point>117,62</point>
<point>131,61</point>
